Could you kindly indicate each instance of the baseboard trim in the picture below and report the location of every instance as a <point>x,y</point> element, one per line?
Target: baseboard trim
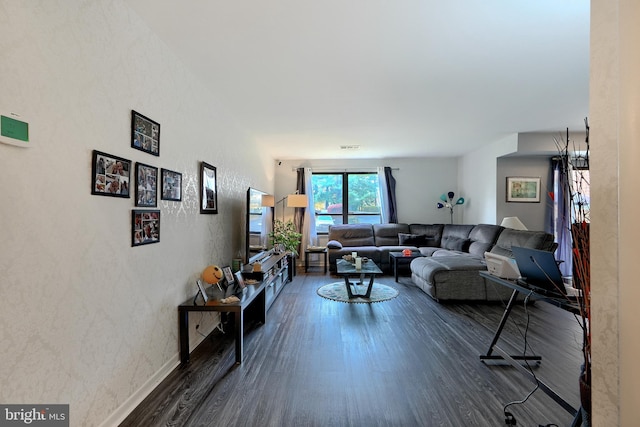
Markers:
<point>123,411</point>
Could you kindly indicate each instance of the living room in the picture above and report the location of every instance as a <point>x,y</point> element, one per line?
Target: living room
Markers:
<point>88,320</point>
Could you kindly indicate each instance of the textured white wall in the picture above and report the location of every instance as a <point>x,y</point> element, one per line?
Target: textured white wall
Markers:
<point>85,318</point>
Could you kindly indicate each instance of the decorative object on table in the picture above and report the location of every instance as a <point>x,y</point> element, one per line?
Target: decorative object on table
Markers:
<point>240,280</point>
<point>145,227</point>
<point>228,275</point>
<point>285,236</point>
<point>202,292</point>
<point>337,292</point>
<point>146,185</point>
<point>406,252</point>
<point>110,175</point>
<point>208,189</point>
<point>145,134</point>
<point>523,189</point>
<point>575,168</point>
<point>447,202</point>
<point>212,275</point>
<point>513,222</point>
<point>171,183</point>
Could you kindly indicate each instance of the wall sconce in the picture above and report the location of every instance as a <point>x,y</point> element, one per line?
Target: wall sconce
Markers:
<point>447,202</point>
<point>513,222</point>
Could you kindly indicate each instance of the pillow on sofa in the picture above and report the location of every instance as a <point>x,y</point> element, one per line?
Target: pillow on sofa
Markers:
<point>456,244</point>
<point>334,244</point>
<point>412,239</point>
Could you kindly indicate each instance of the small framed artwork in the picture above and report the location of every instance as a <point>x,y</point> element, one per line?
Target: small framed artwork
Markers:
<point>146,185</point>
<point>145,227</point>
<point>171,185</point>
<point>110,175</point>
<point>523,189</point>
<point>240,280</point>
<point>208,189</point>
<point>228,275</point>
<point>145,134</point>
<point>201,291</point>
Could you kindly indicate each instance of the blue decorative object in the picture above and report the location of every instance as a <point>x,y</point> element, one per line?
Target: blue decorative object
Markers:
<point>448,202</point>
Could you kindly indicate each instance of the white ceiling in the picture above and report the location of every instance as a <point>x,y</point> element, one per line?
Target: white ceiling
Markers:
<point>399,78</point>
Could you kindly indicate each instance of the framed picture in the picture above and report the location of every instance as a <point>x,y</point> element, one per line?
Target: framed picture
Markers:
<point>523,189</point>
<point>145,227</point>
<point>145,134</point>
<point>146,185</point>
<point>208,189</point>
<point>110,175</point>
<point>171,185</point>
<point>228,274</point>
<point>201,291</point>
<point>240,280</point>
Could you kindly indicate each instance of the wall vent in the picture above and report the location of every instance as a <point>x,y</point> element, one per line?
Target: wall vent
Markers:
<point>349,147</point>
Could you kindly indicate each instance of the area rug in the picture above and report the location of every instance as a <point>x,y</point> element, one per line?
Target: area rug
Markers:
<point>338,292</point>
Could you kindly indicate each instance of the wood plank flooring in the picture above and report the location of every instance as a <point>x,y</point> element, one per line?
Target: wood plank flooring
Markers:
<point>406,362</point>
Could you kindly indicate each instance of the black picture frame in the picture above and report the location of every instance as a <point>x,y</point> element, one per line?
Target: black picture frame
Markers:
<point>208,189</point>
<point>240,280</point>
<point>110,175</point>
<point>171,185</point>
<point>146,185</point>
<point>145,134</point>
<point>145,226</point>
<point>228,275</point>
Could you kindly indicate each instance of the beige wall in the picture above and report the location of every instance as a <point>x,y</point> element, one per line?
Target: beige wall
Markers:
<point>86,319</point>
<point>615,131</point>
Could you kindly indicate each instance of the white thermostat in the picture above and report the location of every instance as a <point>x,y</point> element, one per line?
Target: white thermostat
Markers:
<point>14,130</point>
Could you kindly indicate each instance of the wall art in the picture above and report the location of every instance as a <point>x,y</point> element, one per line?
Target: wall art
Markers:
<point>110,175</point>
<point>171,185</point>
<point>208,189</point>
<point>146,185</point>
<point>145,227</point>
<point>523,189</point>
<point>145,134</point>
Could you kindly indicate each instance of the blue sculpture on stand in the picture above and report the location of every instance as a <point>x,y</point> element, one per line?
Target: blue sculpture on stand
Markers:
<point>447,202</point>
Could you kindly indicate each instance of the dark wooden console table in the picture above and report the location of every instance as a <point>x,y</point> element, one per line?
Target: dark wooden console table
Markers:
<point>253,293</point>
<point>275,273</point>
<point>513,360</point>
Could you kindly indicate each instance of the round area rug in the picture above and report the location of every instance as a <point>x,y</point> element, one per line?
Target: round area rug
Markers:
<point>338,292</point>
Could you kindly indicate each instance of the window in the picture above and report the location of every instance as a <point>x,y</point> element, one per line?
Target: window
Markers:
<point>356,190</point>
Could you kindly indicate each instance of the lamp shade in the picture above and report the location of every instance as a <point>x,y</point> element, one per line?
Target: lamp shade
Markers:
<point>297,201</point>
<point>513,222</point>
<point>460,201</point>
<point>268,200</point>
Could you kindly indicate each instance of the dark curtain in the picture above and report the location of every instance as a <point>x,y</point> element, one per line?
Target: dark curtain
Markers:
<point>298,217</point>
<point>561,213</point>
<point>391,195</point>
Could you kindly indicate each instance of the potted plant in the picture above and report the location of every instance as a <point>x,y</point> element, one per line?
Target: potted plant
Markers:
<point>576,167</point>
<point>285,236</point>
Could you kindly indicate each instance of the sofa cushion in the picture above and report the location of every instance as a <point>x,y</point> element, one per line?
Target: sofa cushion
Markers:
<point>457,244</point>
<point>352,234</point>
<point>432,231</point>
<point>387,234</point>
<point>413,239</point>
<point>483,237</point>
<point>334,244</point>
<point>524,238</point>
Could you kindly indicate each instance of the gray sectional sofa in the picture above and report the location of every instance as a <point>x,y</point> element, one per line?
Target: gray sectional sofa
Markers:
<point>453,254</point>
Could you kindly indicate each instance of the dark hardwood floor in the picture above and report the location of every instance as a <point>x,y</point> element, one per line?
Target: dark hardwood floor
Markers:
<point>406,362</point>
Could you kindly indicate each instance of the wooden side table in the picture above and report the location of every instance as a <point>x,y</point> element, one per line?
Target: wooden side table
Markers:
<point>307,251</point>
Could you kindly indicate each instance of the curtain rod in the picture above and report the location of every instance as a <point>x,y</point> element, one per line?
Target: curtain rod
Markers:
<point>328,169</point>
